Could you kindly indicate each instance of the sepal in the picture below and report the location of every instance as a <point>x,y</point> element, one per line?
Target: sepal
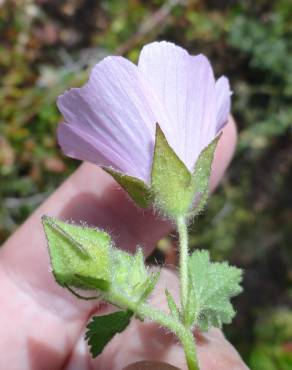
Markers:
<point>85,258</point>
<point>79,255</point>
<point>201,176</point>
<point>137,190</point>
<point>171,181</point>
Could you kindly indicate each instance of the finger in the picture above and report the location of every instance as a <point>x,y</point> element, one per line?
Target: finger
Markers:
<point>146,341</point>
<point>43,312</point>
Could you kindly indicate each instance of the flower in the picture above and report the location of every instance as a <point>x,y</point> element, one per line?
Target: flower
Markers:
<point>111,121</point>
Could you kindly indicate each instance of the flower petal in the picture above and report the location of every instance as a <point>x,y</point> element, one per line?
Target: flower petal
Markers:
<point>186,87</point>
<point>223,101</point>
<point>76,143</point>
<point>115,114</point>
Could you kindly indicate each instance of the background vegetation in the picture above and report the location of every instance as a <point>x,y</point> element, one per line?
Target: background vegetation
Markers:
<point>49,45</point>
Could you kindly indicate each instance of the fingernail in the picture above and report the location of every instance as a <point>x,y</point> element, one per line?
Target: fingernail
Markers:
<point>150,365</point>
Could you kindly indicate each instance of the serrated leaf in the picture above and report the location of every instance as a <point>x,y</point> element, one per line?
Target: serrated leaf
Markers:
<point>171,181</point>
<point>137,189</point>
<point>102,329</point>
<point>201,175</point>
<point>212,287</point>
<point>79,255</point>
<point>172,305</point>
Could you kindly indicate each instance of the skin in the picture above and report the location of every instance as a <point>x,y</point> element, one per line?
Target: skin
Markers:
<point>42,325</point>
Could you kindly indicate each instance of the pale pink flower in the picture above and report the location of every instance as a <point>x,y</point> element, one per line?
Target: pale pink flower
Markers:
<point>111,121</point>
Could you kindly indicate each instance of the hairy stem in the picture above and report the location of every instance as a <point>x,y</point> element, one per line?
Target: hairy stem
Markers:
<point>145,311</point>
<point>184,334</point>
<point>189,346</point>
<point>177,326</point>
<point>183,262</point>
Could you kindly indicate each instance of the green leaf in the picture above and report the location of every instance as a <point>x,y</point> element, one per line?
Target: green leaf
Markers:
<point>212,286</point>
<point>172,305</point>
<point>171,181</point>
<point>79,255</point>
<point>201,175</point>
<point>102,329</point>
<point>137,189</point>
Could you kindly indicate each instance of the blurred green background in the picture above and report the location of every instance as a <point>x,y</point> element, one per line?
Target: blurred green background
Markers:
<point>47,46</point>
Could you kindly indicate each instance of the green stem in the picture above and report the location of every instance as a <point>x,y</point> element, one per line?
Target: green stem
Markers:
<point>189,346</point>
<point>180,329</point>
<point>184,334</point>
<point>183,262</point>
<point>145,311</point>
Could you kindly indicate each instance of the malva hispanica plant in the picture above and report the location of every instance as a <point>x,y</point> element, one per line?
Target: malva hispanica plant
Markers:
<point>154,128</point>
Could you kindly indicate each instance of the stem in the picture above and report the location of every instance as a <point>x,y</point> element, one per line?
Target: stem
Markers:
<point>179,328</point>
<point>145,311</point>
<point>184,334</point>
<point>183,261</point>
<point>189,346</point>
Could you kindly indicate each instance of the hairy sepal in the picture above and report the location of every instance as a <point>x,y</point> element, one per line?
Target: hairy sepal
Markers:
<point>78,254</point>
<point>171,181</point>
<point>130,276</point>
<point>85,258</point>
<point>176,191</point>
<point>201,176</point>
<point>137,190</point>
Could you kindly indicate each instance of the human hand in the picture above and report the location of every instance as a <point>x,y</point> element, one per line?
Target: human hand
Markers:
<point>42,324</point>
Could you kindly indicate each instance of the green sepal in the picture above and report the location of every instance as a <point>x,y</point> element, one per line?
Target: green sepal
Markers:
<point>138,191</point>
<point>201,175</point>
<point>212,286</point>
<point>85,258</point>
<point>171,181</point>
<point>93,283</point>
<point>172,305</point>
<point>102,329</point>
<point>79,255</point>
<point>129,274</point>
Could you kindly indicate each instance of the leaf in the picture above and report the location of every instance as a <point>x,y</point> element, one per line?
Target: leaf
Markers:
<point>137,190</point>
<point>102,329</point>
<point>201,175</point>
<point>212,286</point>
<point>171,181</point>
<point>172,305</point>
<point>79,255</point>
